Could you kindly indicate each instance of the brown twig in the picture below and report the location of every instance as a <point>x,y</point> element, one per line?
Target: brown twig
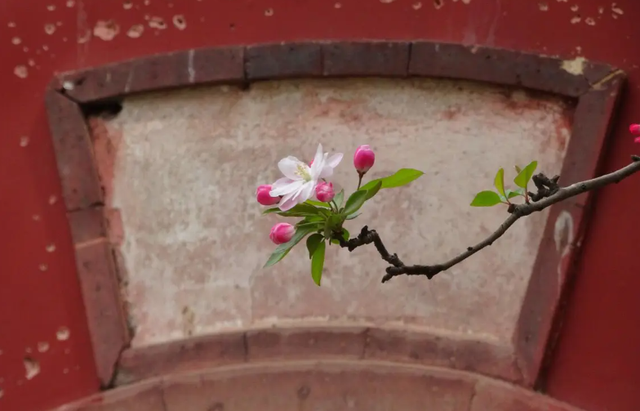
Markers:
<point>549,193</point>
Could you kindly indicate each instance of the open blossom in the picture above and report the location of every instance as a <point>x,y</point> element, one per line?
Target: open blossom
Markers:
<point>635,129</point>
<point>363,159</point>
<point>324,192</point>
<point>300,179</point>
<point>281,233</point>
<point>263,196</point>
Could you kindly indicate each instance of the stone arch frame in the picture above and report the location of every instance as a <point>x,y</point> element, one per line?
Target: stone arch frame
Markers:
<point>594,86</point>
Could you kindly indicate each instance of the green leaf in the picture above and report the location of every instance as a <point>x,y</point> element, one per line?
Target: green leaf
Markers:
<point>313,242</point>
<point>373,191</point>
<point>283,249</point>
<point>352,216</point>
<point>518,169</point>
<point>402,177</point>
<point>486,199</point>
<point>345,236</point>
<point>498,182</point>
<point>317,203</point>
<point>317,262</point>
<point>301,210</point>
<point>339,198</point>
<point>514,193</point>
<point>523,177</point>
<point>355,201</point>
<point>271,210</point>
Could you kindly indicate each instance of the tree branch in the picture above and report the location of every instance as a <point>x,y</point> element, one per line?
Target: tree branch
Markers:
<point>548,193</point>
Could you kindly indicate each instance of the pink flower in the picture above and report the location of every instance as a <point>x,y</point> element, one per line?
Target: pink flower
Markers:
<point>363,159</point>
<point>263,196</point>
<point>324,192</point>
<point>281,233</point>
<point>635,129</point>
<point>300,179</point>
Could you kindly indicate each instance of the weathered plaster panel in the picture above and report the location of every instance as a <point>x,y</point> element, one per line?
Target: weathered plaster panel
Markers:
<point>181,170</point>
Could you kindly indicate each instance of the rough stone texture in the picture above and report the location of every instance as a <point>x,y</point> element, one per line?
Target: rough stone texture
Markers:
<point>320,386</point>
<point>109,334</point>
<point>186,164</point>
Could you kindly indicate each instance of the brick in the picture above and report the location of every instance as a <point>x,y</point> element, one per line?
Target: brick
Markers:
<point>87,224</point>
<point>72,143</point>
<point>428,349</point>
<point>344,385</point>
<point>495,66</point>
<point>146,396</point>
<point>283,61</point>
<point>274,343</point>
<point>497,396</point>
<point>105,314</point>
<point>366,59</point>
<point>218,64</point>
<point>178,356</point>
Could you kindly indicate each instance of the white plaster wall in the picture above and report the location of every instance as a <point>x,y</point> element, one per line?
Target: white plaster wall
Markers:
<point>187,164</point>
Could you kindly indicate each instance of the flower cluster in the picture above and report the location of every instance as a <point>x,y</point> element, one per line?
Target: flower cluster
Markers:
<point>322,218</point>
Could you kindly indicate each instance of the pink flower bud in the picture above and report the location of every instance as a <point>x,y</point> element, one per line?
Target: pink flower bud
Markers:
<point>281,233</point>
<point>263,197</point>
<point>635,129</point>
<point>324,192</point>
<point>363,159</point>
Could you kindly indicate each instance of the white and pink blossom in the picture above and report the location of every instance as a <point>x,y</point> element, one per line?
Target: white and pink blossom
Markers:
<point>301,179</point>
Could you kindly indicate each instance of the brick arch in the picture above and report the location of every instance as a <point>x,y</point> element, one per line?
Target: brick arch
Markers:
<point>362,385</point>
<point>595,88</point>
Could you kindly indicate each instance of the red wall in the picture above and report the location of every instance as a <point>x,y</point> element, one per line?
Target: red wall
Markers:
<point>596,365</point>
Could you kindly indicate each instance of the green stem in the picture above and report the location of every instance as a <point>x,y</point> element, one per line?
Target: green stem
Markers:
<point>359,181</point>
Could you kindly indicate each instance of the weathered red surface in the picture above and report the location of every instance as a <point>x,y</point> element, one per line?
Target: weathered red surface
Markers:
<point>596,362</point>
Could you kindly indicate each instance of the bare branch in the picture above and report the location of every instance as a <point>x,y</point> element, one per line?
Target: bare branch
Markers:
<point>549,193</point>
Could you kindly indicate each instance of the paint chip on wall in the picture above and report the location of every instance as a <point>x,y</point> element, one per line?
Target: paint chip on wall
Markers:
<point>63,334</point>
<point>21,71</point>
<point>106,30</point>
<point>31,368</point>
<point>180,22</point>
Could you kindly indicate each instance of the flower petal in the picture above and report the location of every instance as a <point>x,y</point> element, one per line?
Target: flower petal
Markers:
<point>318,163</point>
<point>285,188</point>
<point>288,201</point>
<point>326,172</point>
<point>334,160</point>
<point>289,167</point>
<point>306,192</point>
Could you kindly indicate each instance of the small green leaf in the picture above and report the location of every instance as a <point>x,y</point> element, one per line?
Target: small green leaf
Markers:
<point>355,201</point>
<point>271,210</point>
<point>514,193</point>
<point>402,177</point>
<point>345,236</point>
<point>317,203</point>
<point>486,199</point>
<point>373,191</point>
<point>518,169</point>
<point>498,182</point>
<point>283,249</point>
<point>352,216</point>
<point>317,262</point>
<point>312,243</point>
<point>302,210</point>
<point>523,177</point>
<point>339,198</point>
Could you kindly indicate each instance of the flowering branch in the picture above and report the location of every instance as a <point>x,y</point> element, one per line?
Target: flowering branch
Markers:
<point>321,222</point>
<point>548,193</point>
